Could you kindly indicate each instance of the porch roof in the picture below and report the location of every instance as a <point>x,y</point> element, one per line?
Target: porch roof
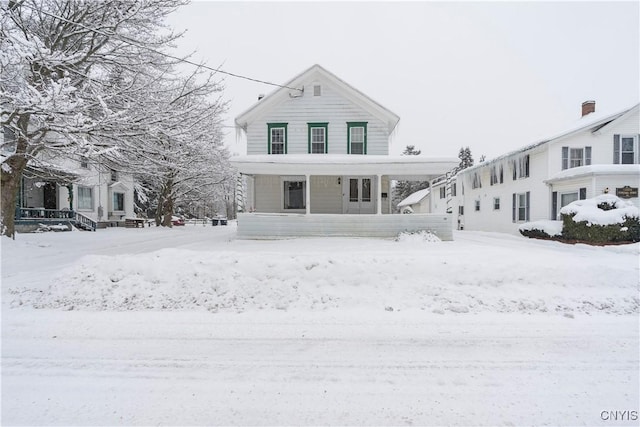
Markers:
<point>396,167</point>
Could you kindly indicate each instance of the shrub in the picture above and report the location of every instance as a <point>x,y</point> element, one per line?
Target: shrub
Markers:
<point>627,231</point>
<point>535,234</point>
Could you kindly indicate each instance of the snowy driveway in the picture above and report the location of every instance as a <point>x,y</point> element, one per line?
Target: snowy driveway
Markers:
<point>550,339</point>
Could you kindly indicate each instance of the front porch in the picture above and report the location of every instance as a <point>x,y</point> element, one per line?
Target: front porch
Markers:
<point>286,225</point>
<point>333,195</point>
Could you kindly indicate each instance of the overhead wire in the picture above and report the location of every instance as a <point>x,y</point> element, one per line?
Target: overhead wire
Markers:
<point>167,55</point>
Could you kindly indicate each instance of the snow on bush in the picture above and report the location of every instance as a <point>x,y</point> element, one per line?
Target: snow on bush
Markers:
<point>602,219</point>
<point>605,209</point>
<point>417,236</point>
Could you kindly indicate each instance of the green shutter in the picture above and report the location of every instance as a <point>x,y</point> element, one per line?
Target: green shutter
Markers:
<point>616,149</point>
<point>565,158</point>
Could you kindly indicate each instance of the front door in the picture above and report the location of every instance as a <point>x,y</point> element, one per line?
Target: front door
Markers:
<point>50,196</point>
<point>359,195</point>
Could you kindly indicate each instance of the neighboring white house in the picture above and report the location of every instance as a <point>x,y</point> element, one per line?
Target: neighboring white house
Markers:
<point>599,154</point>
<point>80,190</point>
<point>417,202</point>
<point>318,163</point>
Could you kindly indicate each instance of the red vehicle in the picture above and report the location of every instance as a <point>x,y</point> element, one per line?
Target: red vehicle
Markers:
<point>176,220</point>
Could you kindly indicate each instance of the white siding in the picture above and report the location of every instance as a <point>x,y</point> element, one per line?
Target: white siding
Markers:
<point>267,193</point>
<point>326,195</point>
<point>613,182</point>
<point>601,143</point>
<point>489,219</point>
<point>330,108</point>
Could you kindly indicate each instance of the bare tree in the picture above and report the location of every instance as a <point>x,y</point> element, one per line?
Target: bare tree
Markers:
<point>59,60</point>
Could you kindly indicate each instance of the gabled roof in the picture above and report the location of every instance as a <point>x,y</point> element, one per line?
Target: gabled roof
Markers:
<point>594,122</point>
<point>414,198</point>
<point>294,87</point>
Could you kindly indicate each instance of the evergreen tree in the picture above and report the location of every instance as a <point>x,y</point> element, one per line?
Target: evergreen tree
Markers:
<point>403,189</point>
<point>466,159</point>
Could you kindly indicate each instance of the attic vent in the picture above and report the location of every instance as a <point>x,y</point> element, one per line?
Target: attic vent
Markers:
<point>317,90</point>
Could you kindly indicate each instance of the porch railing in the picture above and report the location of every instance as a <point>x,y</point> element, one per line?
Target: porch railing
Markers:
<point>40,214</point>
<point>86,222</point>
<point>37,213</point>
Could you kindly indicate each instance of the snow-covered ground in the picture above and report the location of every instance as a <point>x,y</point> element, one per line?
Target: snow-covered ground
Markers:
<point>191,326</point>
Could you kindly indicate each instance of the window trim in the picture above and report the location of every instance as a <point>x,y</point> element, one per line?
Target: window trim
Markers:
<point>271,126</point>
<point>351,125</point>
<point>476,180</point>
<point>286,179</point>
<point>113,200</point>
<point>323,125</point>
<point>618,153</point>
<point>516,207</point>
<point>91,199</point>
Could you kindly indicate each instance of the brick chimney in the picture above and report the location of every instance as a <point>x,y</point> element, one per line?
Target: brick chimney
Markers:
<point>588,107</point>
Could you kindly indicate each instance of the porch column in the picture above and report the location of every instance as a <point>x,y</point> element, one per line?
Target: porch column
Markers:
<point>379,196</point>
<point>308,195</point>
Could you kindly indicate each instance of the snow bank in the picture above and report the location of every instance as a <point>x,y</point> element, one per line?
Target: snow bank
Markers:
<point>588,210</point>
<point>418,236</point>
<point>552,228</point>
<point>341,274</point>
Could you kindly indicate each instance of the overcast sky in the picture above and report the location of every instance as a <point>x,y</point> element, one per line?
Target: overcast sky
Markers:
<point>493,76</point>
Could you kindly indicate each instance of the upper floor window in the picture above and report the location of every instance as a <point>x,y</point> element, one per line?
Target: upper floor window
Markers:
<point>520,167</point>
<point>453,189</point>
<point>497,174</point>
<point>575,157</point>
<point>114,175</point>
<point>357,137</point>
<point>8,140</point>
<point>523,166</point>
<point>318,138</point>
<point>477,181</point>
<point>625,149</point>
<point>277,137</point>
<point>317,90</point>
<point>443,192</point>
<point>84,163</point>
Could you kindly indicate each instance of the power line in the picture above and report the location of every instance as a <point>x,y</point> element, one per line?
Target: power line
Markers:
<point>134,43</point>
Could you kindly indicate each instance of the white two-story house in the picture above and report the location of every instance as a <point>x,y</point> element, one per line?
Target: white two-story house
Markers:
<point>80,191</point>
<point>318,164</point>
<point>599,154</point>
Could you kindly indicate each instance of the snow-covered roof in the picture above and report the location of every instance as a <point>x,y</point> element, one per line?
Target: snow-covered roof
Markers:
<point>343,164</point>
<point>295,86</point>
<point>414,198</point>
<point>595,170</point>
<point>592,121</point>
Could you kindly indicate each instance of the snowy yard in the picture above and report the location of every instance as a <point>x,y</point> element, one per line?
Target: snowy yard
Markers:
<point>191,326</point>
